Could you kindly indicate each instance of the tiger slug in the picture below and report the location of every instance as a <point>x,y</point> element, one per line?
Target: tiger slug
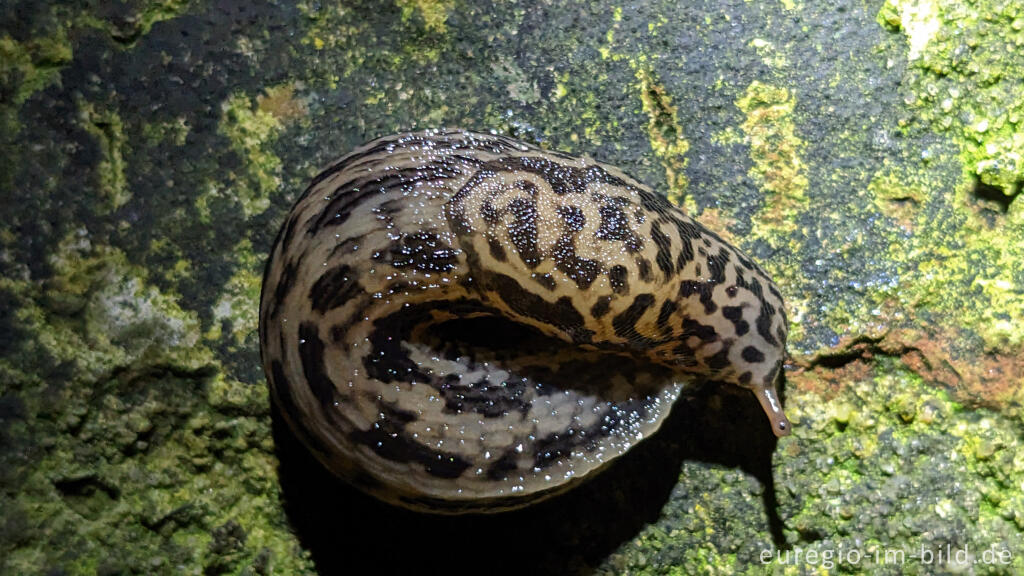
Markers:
<point>460,322</point>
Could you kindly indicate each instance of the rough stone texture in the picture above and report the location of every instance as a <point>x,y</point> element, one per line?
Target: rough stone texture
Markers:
<point>869,154</point>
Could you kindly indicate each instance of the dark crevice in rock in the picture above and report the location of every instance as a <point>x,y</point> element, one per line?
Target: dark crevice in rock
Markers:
<point>1001,197</point>
<point>862,348</point>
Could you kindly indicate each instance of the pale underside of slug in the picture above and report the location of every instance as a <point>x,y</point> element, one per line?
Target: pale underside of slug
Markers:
<point>460,322</point>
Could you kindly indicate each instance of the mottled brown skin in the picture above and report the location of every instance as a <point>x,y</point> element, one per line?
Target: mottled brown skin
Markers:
<point>460,322</point>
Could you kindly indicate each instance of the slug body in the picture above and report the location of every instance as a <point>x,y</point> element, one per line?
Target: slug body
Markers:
<point>459,322</point>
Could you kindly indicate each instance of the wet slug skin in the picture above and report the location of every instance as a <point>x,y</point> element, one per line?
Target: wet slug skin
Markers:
<point>461,322</point>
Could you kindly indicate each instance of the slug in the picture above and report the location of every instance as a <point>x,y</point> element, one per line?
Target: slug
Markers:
<point>458,322</point>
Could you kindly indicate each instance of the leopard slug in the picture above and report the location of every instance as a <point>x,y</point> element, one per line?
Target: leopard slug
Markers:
<point>460,322</point>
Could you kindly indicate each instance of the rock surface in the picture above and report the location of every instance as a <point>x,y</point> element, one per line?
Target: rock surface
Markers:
<point>868,154</point>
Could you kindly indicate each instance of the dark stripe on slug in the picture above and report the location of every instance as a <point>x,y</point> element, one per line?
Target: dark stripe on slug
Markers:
<point>381,147</point>
<point>348,196</point>
<point>685,255</point>
<point>716,266</point>
<point>489,213</point>
<point>643,267</point>
<point>601,307</point>
<point>720,359</point>
<point>390,440</point>
<point>581,270</point>
<point>665,313</point>
<point>618,279</point>
<point>490,401</point>
<point>443,145</point>
<point>734,314</point>
<point>685,356</point>
<point>664,244</point>
<point>524,185</point>
<point>555,446</point>
<point>341,328</point>
<point>497,249</point>
<point>614,223</point>
<point>573,217</point>
<point>692,230</point>
<point>764,323</point>
<point>284,400</point>
<point>334,288</point>
<point>311,353</point>
<point>388,361</point>
<point>423,251</point>
<point>745,262</point>
<point>545,280</point>
<point>522,231</point>
<point>688,288</point>
<point>624,323</point>
<point>770,378</point>
<point>752,355</point>
<point>284,285</point>
<point>704,332</point>
<point>655,203</point>
<point>501,468</point>
<point>560,314</point>
<point>563,179</point>
<point>615,226</point>
<point>288,232</point>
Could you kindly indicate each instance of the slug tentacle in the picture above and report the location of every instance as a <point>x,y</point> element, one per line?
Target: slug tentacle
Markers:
<point>461,322</point>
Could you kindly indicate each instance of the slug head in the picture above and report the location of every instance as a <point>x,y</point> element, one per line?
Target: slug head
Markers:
<point>757,354</point>
<point>748,343</point>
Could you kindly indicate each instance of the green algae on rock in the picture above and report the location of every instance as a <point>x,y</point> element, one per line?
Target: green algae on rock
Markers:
<point>904,264</point>
<point>964,77</point>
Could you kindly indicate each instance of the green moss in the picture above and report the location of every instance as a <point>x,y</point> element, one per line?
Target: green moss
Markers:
<point>252,132</point>
<point>175,130</point>
<point>969,246</point>
<point>32,65</point>
<point>107,128</point>
<point>964,79</point>
<point>128,29</point>
<point>129,432</point>
<point>664,131</point>
<point>881,461</point>
<point>433,13</point>
<point>775,149</point>
<point>235,308</point>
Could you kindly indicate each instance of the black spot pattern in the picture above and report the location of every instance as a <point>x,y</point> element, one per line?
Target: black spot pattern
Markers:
<point>618,278</point>
<point>311,352</point>
<point>490,401</point>
<point>668,307</point>
<point>624,323</point>
<point>664,257</point>
<point>334,288</point>
<point>734,314</point>
<point>389,439</point>
<point>522,231</point>
<point>503,466</point>
<point>512,230</point>
<point>286,402</point>
<point>752,355</point>
<point>561,314</point>
<point>688,288</point>
<point>583,271</point>
<point>423,251</point>
<point>601,307</point>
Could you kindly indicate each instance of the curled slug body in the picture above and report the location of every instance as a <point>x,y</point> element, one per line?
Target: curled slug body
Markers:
<point>459,322</point>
